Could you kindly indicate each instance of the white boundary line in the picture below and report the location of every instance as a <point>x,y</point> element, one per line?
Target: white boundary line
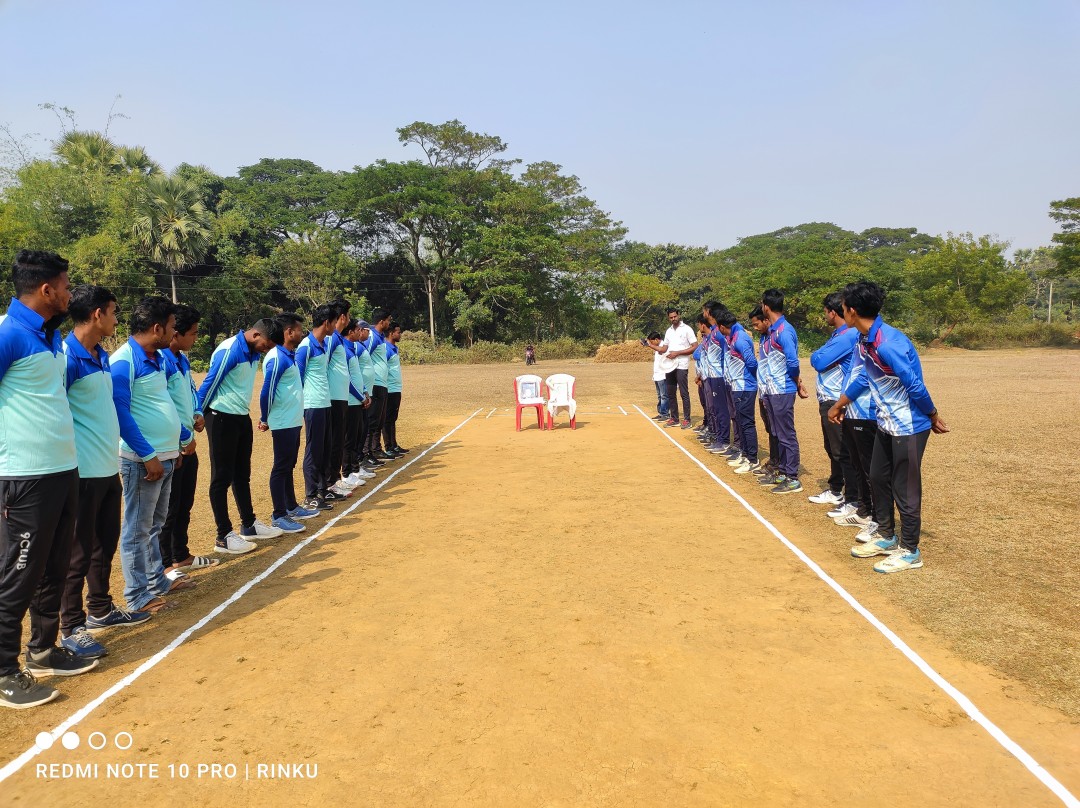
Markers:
<point>14,765</point>
<point>624,412</point>
<point>490,413</point>
<point>965,703</point>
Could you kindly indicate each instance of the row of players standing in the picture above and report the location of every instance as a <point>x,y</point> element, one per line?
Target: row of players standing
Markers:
<point>82,432</point>
<point>876,413</point>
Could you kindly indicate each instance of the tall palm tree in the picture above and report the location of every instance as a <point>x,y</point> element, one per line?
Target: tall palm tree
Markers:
<point>172,225</point>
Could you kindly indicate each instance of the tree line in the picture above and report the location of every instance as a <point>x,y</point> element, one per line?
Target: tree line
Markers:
<point>467,244</point>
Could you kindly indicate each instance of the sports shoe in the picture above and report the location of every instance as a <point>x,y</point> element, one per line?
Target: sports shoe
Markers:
<point>336,494</point>
<point>659,417</point>
<point>762,468</point>
<point>234,543</point>
<point>878,545</point>
<point>737,460</point>
<point>671,422</point>
<point>372,462</point>
<point>261,530</point>
<point>684,424</point>
<point>287,525</point>
<point>83,645</point>
<point>867,533</point>
<point>827,497</point>
<point>899,560</point>
<point>355,479</point>
<point>853,520</point>
<point>745,467</point>
<point>21,690</point>
<point>843,509</point>
<point>57,662</point>
<point>718,448</point>
<point>788,485</point>
<point>345,485</point>
<point>351,484</point>
<point>119,616</point>
<point>318,504</point>
<point>300,512</point>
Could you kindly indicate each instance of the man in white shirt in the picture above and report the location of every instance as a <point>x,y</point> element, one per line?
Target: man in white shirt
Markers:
<point>679,344</point>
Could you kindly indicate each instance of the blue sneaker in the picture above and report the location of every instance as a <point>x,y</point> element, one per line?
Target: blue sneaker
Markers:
<point>899,560</point>
<point>82,645</point>
<point>119,616</point>
<point>878,545</point>
<point>300,512</point>
<point>287,525</point>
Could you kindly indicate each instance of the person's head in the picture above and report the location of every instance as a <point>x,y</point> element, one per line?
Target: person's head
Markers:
<point>862,300</point>
<point>673,316</point>
<point>153,321</point>
<point>365,331</point>
<point>351,331</point>
<point>833,306</point>
<point>94,306</point>
<point>339,314</point>
<point>290,327</point>
<point>259,336</point>
<point>381,319</point>
<point>653,338</point>
<point>41,282</point>
<point>394,334</point>
<point>187,327</point>
<point>772,302</point>
<point>702,325</point>
<point>758,321</point>
<point>725,320</point>
<point>321,317</point>
<point>715,310</point>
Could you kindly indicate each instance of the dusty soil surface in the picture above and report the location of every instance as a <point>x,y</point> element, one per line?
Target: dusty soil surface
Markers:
<point>586,618</point>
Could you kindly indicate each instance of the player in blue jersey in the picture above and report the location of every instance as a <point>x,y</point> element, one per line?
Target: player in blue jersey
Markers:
<point>906,416</point>
<point>311,362</point>
<point>393,391</point>
<point>740,370</point>
<point>781,383</point>
<point>375,456</point>
<point>39,480</point>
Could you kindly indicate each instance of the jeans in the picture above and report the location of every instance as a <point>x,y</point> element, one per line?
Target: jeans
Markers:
<point>661,397</point>
<point>146,505</point>
<point>174,533</point>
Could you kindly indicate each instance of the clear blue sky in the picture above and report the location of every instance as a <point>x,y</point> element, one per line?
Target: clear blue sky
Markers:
<point>694,123</point>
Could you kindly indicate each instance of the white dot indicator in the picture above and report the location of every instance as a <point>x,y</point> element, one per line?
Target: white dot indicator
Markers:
<point>43,740</point>
<point>70,740</point>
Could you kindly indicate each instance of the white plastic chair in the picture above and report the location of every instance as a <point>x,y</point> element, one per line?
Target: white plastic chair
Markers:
<point>560,389</point>
<point>526,395</point>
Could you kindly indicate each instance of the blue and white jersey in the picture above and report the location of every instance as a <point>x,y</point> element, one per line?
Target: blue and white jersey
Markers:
<point>312,362</point>
<point>376,345</point>
<point>89,390</point>
<point>393,368</point>
<point>149,424</point>
<point>831,361</point>
<point>712,347</point>
<point>761,363</point>
<point>893,374</point>
<point>37,434</point>
<point>228,385</point>
<point>780,358</point>
<point>181,390</point>
<point>281,400</point>
<point>357,387</point>
<point>863,407</point>
<point>741,365</point>
<point>367,367</point>
<point>338,363</point>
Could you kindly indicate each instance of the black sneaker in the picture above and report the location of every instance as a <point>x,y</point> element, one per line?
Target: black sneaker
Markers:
<point>318,504</point>
<point>57,662</point>
<point>374,462</point>
<point>21,690</point>
<point>400,450</point>
<point>330,496</point>
<point>386,456</point>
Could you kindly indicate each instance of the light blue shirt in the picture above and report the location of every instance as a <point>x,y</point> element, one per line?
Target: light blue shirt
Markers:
<point>281,402</point>
<point>393,368</point>
<point>89,391</point>
<point>311,361</point>
<point>149,424</point>
<point>231,378</point>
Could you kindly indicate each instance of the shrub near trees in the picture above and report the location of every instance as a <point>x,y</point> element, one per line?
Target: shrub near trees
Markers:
<point>474,248</point>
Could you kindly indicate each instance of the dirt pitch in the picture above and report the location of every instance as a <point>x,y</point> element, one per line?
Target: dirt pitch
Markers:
<point>586,618</point>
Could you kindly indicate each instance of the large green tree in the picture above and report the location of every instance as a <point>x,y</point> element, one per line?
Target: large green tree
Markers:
<point>1066,212</point>
<point>171,224</point>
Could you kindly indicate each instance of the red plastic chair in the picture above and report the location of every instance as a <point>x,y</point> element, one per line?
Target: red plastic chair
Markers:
<point>527,395</point>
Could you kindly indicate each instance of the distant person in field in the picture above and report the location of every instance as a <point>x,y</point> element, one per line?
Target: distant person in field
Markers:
<point>393,391</point>
<point>740,370</point>
<point>760,325</point>
<point>679,345</point>
<point>175,553</point>
<point>906,416</point>
<point>281,412</point>
<point>359,398</point>
<point>224,399</point>
<point>151,438</point>
<point>97,434</point>
<point>39,480</point>
<point>782,383</point>
<point>530,355</point>
<point>831,361</point>
<point>311,361</point>
<point>661,366</point>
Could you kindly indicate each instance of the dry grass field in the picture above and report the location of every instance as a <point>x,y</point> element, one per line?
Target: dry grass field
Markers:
<point>547,618</point>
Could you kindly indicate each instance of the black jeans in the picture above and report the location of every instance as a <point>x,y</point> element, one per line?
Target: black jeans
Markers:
<point>376,413</point>
<point>37,525</point>
<point>317,429</point>
<point>842,475</point>
<point>896,476</point>
<point>389,430</point>
<point>286,451</point>
<point>173,540</point>
<point>678,380</point>
<point>355,435</point>
<point>860,437</point>
<point>97,534</point>
<point>230,438</point>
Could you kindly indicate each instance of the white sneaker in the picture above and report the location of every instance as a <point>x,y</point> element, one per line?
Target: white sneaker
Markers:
<point>349,483</point>
<point>344,483</point>
<point>840,511</point>
<point>867,533</point>
<point>365,474</point>
<point>234,543</point>
<point>745,467</point>
<point>737,460</point>
<point>853,520</point>
<point>826,497</point>
<point>354,479</point>
<point>264,531</point>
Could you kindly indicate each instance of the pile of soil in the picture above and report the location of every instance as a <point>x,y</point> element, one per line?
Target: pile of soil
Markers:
<point>624,352</point>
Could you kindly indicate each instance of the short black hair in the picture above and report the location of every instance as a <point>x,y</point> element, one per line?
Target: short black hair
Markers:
<point>381,314</point>
<point>701,320</point>
<point>86,299</point>
<point>716,309</point>
<point>774,299</point>
<point>151,311</point>
<point>709,305</point>
<point>726,319</point>
<point>352,325</point>
<point>672,310</point>
<point>338,308</point>
<point>654,335</point>
<point>281,322</point>
<point>834,302</point>
<point>756,313</point>
<point>265,326</point>
<point>33,268</point>
<point>186,317</point>
<point>395,325</point>
<point>321,315</point>
<point>865,297</point>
